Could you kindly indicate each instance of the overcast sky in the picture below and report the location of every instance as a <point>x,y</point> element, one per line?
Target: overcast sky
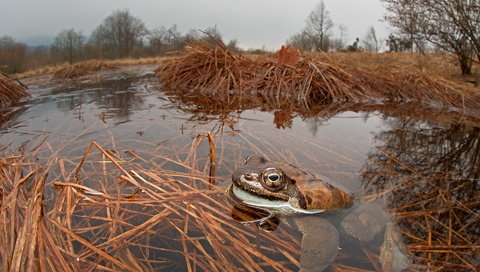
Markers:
<point>253,23</point>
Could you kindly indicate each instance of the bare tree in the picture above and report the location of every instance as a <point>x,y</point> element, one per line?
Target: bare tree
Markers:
<point>319,25</point>
<point>69,44</point>
<point>403,15</point>
<point>156,39</point>
<point>451,25</point>
<point>192,35</point>
<point>173,36</point>
<point>338,44</point>
<point>162,40</point>
<point>12,55</point>
<point>212,32</point>
<point>232,45</point>
<point>316,34</point>
<point>302,40</point>
<point>119,34</point>
<point>371,42</point>
<point>398,44</point>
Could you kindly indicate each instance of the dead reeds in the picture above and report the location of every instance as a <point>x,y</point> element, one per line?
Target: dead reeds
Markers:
<point>11,90</point>
<point>208,69</point>
<point>215,71</point>
<point>81,69</point>
<point>157,209</point>
<point>21,203</point>
<point>111,214</point>
<point>311,80</point>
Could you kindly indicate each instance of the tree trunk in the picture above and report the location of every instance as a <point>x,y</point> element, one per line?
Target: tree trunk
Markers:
<point>465,65</point>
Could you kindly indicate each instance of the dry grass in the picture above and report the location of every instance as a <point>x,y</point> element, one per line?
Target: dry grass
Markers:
<point>313,80</point>
<point>11,90</point>
<point>208,68</point>
<point>81,69</point>
<point>135,218</point>
<point>21,202</point>
<point>215,71</point>
<point>138,61</point>
<point>117,62</point>
<point>435,64</point>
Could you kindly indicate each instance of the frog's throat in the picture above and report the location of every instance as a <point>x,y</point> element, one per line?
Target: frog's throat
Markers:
<point>275,206</point>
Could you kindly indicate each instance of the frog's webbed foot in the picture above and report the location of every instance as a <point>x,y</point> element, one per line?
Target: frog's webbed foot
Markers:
<point>319,243</point>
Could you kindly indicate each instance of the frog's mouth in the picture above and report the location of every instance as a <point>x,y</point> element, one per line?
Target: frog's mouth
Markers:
<point>280,206</point>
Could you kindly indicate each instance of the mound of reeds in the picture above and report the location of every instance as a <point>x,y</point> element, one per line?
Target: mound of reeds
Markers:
<point>11,90</point>
<point>81,69</point>
<point>214,70</point>
<point>307,83</point>
<point>209,70</point>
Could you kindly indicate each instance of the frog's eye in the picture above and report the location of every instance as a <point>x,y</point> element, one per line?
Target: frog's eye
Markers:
<point>273,179</point>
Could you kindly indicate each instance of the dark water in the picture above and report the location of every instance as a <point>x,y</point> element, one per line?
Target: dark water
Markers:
<point>422,166</point>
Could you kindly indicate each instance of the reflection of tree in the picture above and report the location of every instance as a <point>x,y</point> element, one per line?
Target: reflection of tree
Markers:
<point>433,174</point>
<point>114,96</point>
<point>207,108</point>
<point>283,118</point>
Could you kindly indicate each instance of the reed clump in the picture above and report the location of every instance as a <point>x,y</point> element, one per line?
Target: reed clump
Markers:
<point>306,81</point>
<point>81,69</point>
<point>11,90</point>
<point>209,70</point>
<point>215,71</point>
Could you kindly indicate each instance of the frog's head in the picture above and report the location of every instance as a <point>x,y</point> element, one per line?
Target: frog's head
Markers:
<point>265,179</point>
<point>268,184</point>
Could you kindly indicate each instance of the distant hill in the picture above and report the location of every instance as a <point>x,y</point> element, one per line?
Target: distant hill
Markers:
<point>37,41</point>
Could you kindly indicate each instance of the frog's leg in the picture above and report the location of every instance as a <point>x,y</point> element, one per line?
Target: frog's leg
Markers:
<point>319,243</point>
<point>365,221</point>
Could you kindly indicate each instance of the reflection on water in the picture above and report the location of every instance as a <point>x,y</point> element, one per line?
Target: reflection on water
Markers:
<point>433,173</point>
<point>117,99</point>
<point>424,164</point>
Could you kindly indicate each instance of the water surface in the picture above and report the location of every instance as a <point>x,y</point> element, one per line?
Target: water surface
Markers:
<point>420,165</point>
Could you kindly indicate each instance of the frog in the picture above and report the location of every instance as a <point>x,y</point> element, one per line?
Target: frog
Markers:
<point>284,189</point>
<point>288,188</point>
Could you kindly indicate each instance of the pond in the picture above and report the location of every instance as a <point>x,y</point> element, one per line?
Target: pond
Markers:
<point>145,195</point>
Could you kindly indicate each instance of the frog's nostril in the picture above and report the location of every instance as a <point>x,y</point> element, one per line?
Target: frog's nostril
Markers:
<point>248,176</point>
